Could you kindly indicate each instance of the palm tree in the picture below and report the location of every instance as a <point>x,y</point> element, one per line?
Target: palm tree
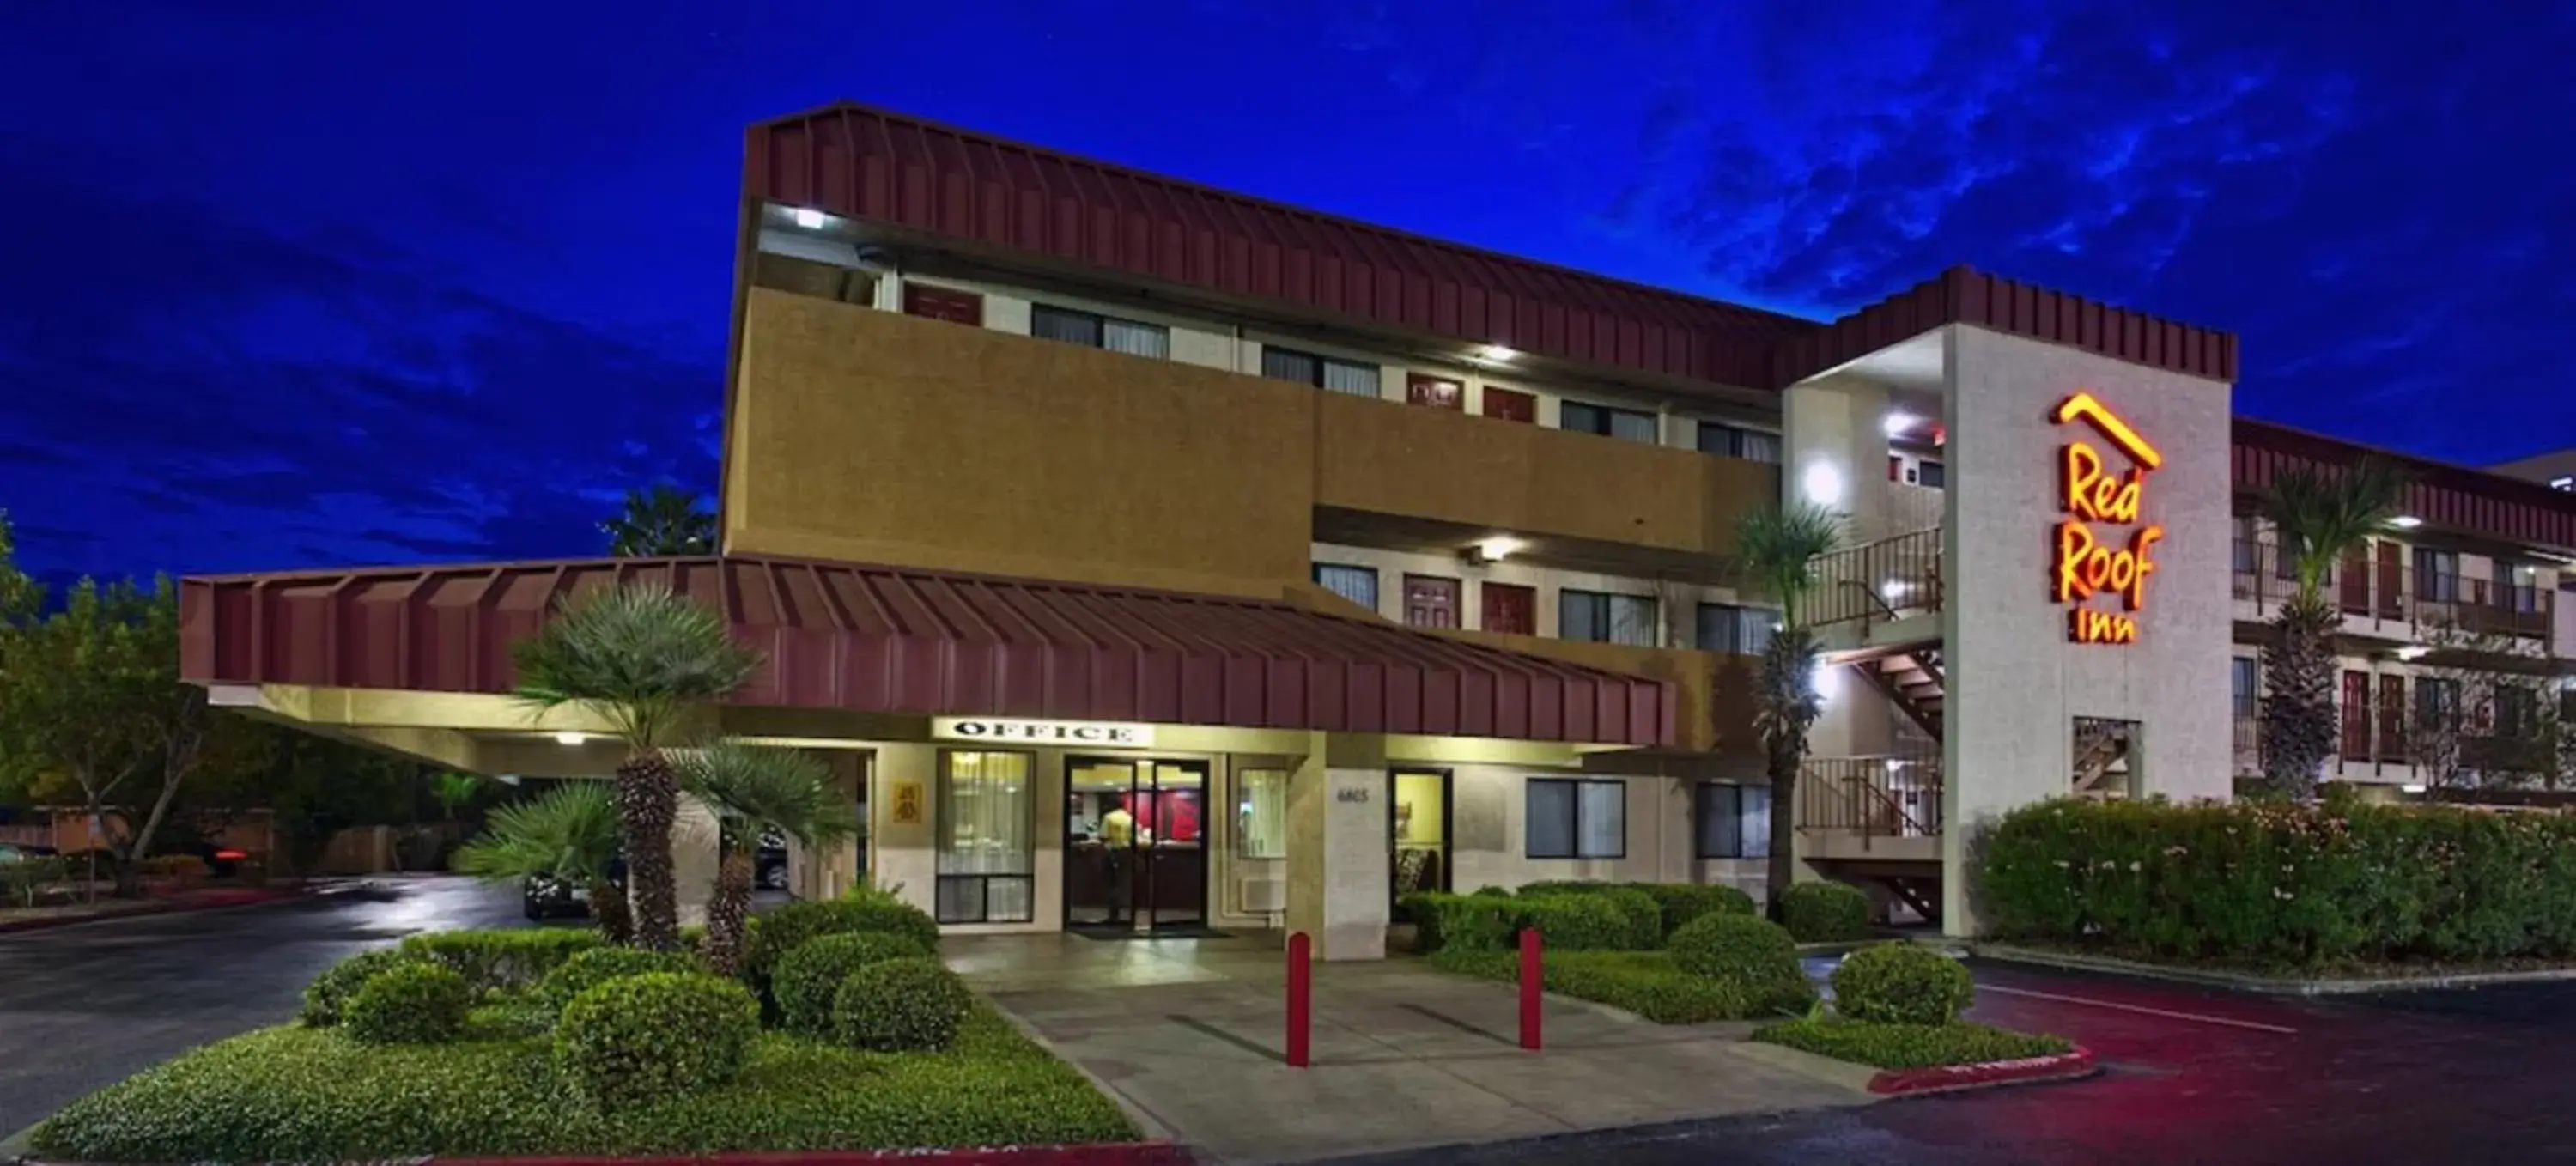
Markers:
<point>754,790</point>
<point>644,659</point>
<point>1776,550</point>
<point>661,521</point>
<point>568,833</point>
<point>455,792</point>
<point>2321,516</point>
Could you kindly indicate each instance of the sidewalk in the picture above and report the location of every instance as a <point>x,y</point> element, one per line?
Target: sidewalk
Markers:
<point>1190,1034</point>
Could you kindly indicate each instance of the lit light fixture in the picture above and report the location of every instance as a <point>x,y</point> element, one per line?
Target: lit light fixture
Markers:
<point>1895,764</point>
<point>1496,354</point>
<point>1823,484</point>
<point>809,218</point>
<point>1895,588</point>
<point>571,738</point>
<point>1898,422</point>
<point>2563,482</point>
<point>2406,522</point>
<point>2413,652</point>
<point>2412,787</point>
<point>1820,680</point>
<point>1497,547</point>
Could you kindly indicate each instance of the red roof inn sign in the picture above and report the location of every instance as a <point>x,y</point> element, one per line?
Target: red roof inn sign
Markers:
<point>2085,562</point>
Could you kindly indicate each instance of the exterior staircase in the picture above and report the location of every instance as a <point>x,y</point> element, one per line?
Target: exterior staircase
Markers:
<point>1911,680</point>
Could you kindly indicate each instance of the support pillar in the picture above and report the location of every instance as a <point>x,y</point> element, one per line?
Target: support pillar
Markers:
<point>1339,847</point>
<point>694,859</point>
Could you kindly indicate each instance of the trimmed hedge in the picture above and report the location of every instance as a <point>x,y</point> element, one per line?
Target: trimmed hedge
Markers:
<point>1902,983</point>
<point>1572,922</point>
<point>1825,912</point>
<point>1646,983</point>
<point>1910,1046</point>
<point>1754,955</point>
<point>782,929</point>
<point>808,979</point>
<point>1491,919</point>
<point>909,1004</point>
<point>508,960</point>
<point>2282,885</point>
<point>327,997</point>
<point>598,966</point>
<point>642,1038</point>
<point>1683,902</point>
<point>1478,922</point>
<point>413,1003</point>
<point>1642,916</point>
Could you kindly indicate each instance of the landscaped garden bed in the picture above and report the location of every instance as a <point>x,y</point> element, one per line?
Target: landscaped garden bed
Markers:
<point>1671,953</point>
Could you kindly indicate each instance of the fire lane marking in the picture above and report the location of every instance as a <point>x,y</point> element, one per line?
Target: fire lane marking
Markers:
<point>2141,1009</point>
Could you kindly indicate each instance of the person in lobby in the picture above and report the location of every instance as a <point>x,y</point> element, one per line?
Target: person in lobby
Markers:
<point>1117,838</point>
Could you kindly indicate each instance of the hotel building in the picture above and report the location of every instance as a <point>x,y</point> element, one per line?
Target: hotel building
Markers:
<point>1147,555</point>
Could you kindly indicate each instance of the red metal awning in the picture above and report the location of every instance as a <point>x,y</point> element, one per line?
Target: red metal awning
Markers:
<point>901,640</point>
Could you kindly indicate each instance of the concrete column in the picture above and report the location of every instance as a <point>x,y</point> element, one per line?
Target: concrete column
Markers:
<point>1835,450</point>
<point>694,859</point>
<point>1338,847</point>
<point>905,855</point>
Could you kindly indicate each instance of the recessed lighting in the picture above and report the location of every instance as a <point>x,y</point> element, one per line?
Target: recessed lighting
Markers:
<point>809,218</point>
<point>2413,652</point>
<point>1499,546</point>
<point>2406,522</point>
<point>1898,423</point>
<point>571,738</point>
<point>1496,353</point>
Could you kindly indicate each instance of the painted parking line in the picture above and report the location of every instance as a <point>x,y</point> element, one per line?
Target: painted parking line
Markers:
<point>2198,1017</point>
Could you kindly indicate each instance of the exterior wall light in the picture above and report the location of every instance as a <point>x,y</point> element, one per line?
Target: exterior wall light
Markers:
<point>1898,423</point>
<point>2413,652</point>
<point>2406,522</point>
<point>1823,484</point>
<point>1498,547</point>
<point>809,218</point>
<point>1496,354</point>
<point>571,738</point>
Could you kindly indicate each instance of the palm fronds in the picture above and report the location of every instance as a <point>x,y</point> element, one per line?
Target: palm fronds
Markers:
<point>640,655</point>
<point>754,788</point>
<point>1776,549</point>
<point>569,832</point>
<point>2322,514</point>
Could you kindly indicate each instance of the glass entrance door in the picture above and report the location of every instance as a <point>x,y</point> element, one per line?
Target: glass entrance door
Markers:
<point>1135,852</point>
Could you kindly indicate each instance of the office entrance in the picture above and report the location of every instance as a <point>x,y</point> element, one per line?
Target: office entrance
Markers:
<point>1135,853</point>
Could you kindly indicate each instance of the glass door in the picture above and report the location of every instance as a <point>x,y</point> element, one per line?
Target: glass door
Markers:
<point>1420,804</point>
<point>1135,843</point>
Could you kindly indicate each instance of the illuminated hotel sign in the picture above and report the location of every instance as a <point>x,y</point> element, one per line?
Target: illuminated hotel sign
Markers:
<point>2084,562</point>
<point>1042,732</point>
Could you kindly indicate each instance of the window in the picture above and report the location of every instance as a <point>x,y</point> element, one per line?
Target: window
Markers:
<point>1437,392</point>
<point>1357,584</point>
<point>1510,405</point>
<point>1724,627</point>
<point>1753,445</point>
<point>1895,467</point>
<point>1261,814</point>
<point>1323,372</point>
<point>1098,331</point>
<point>2244,561</point>
<point>987,837</point>
<point>1606,619</point>
<point>939,303</point>
<point>2437,701</point>
<point>2244,680</point>
<point>1624,424</point>
<point>1510,608</point>
<point>2517,712</point>
<point>2437,575</point>
<point>1731,821</point>
<point>1934,475</point>
<point>1576,819</point>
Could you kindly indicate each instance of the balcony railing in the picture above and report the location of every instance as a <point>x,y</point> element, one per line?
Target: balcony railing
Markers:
<point>1879,582</point>
<point>2393,589</point>
<point>1875,797</point>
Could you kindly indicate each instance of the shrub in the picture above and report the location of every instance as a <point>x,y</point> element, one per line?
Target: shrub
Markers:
<point>808,979</point>
<point>2282,885</point>
<point>1902,983</point>
<point>599,965</point>
<point>900,1004</point>
<point>412,1003</point>
<point>1910,1046</point>
<point>1478,922</point>
<point>507,960</point>
<point>1644,917</point>
<point>783,929</point>
<point>1642,982</point>
<point>1753,954</point>
<point>328,995</point>
<point>1683,902</point>
<point>646,1037</point>
<point>1825,912</point>
<point>1572,922</point>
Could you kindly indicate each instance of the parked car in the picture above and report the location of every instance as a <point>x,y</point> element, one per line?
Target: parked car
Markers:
<point>769,863</point>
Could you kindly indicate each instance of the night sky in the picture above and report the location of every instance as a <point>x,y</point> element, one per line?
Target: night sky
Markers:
<point>347,282</point>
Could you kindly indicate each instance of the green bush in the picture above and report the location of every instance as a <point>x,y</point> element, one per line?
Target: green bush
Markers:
<point>808,979</point>
<point>1478,922</point>
<point>598,966</point>
<point>1646,983</point>
<point>1825,912</point>
<point>1902,983</point>
<point>1910,1046</point>
<point>641,1038</point>
<point>1683,902</point>
<point>1572,922</point>
<point>1494,892</point>
<point>783,929</point>
<point>328,995</point>
<point>899,1005</point>
<point>507,960</point>
<point>1643,916</point>
<point>2281,885</point>
<point>1752,954</point>
<point>411,1004</point>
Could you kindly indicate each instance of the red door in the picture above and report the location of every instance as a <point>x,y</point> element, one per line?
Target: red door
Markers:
<point>1430,601</point>
<point>2356,715</point>
<point>939,303</point>
<point>2353,579</point>
<point>1511,609</point>
<point>2390,575</point>
<point>1510,405</point>
<point>2392,717</point>
<point>1437,392</point>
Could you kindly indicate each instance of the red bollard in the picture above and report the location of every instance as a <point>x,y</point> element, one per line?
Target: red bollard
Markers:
<point>1533,978</point>
<point>1301,996</point>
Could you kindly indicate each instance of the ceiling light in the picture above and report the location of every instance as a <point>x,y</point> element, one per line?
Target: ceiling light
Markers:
<point>1823,483</point>
<point>809,218</point>
<point>2406,522</point>
<point>571,738</point>
<point>1496,353</point>
<point>2563,482</point>
<point>2413,652</point>
<point>1498,546</point>
<point>1898,423</point>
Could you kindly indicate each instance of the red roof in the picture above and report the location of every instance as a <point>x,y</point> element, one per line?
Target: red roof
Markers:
<point>899,640</point>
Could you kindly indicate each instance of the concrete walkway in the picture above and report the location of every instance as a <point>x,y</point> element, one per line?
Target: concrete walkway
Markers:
<point>1189,1033</point>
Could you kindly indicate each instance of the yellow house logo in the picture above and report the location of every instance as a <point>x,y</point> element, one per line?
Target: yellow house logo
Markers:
<point>2089,492</point>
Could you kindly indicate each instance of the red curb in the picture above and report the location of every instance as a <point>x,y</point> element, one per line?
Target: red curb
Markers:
<point>242,897</point>
<point>1102,1154</point>
<point>1944,1078</point>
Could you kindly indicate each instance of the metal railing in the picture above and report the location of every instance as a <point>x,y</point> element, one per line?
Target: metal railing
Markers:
<point>1878,796</point>
<point>1878,582</point>
<point>2393,589</point>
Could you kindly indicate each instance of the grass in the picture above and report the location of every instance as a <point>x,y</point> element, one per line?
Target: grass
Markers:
<point>303,1094</point>
<point>1909,1046</point>
<point>1643,982</point>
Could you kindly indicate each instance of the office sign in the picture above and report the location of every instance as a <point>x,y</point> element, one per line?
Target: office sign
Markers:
<point>1008,731</point>
<point>2086,563</point>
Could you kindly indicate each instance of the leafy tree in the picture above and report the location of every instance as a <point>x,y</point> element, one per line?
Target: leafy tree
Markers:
<point>661,521</point>
<point>1777,551</point>
<point>457,792</point>
<point>754,790</point>
<point>2321,515</point>
<point>646,660</point>
<point>569,832</point>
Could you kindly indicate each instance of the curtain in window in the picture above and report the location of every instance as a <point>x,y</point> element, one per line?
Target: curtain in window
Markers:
<point>1357,584</point>
<point>1756,829</point>
<point>1632,620</point>
<point>1549,824</point>
<point>1136,339</point>
<point>1754,626</point>
<point>2243,688</point>
<point>1602,818</point>
<point>1047,323</point>
<point>1582,615</point>
<point>1281,364</point>
<point>1582,418</point>
<point>1721,820</point>
<point>987,826</point>
<point>1627,426</point>
<point>1718,628</point>
<point>1359,380</point>
<point>1261,817</point>
<point>1761,447</point>
<point>1931,474</point>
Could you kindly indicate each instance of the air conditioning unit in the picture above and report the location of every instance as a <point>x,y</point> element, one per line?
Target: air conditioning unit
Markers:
<point>1263,895</point>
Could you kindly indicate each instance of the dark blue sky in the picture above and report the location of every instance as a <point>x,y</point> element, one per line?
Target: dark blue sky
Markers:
<point>292,284</point>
